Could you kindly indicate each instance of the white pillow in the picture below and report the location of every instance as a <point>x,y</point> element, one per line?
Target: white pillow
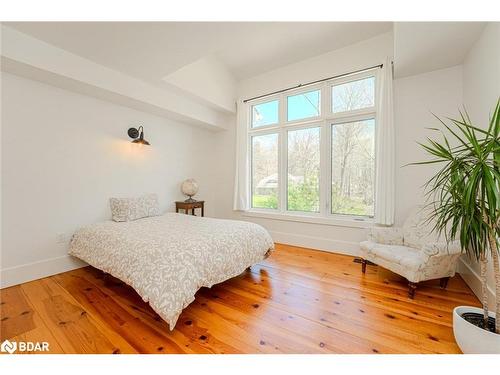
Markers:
<point>128,209</point>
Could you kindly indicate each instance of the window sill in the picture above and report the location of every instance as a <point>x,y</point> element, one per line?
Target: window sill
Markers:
<point>349,222</point>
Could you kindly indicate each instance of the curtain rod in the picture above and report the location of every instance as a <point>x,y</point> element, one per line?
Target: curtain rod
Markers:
<point>313,82</point>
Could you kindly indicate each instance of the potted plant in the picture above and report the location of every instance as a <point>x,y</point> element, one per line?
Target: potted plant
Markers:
<point>464,204</point>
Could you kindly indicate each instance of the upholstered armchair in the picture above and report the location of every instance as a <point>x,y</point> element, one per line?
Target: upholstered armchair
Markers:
<point>412,251</point>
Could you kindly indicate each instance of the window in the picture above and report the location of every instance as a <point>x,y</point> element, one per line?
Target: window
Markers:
<point>303,170</point>
<point>265,114</point>
<point>265,182</point>
<point>353,95</point>
<point>313,150</point>
<point>303,106</point>
<point>353,168</point>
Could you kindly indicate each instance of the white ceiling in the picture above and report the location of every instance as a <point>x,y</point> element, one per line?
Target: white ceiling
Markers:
<point>421,47</point>
<point>197,64</point>
<point>152,50</point>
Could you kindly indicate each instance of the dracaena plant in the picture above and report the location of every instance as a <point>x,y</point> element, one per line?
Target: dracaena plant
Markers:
<point>463,195</point>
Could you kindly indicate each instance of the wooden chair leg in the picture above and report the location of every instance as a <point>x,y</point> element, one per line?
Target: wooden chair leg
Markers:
<point>412,287</point>
<point>443,282</point>
<point>363,265</point>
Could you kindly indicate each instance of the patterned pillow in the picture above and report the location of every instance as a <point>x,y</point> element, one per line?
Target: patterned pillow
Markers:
<point>128,209</point>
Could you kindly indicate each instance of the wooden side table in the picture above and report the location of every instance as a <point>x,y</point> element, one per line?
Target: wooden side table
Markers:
<point>186,206</point>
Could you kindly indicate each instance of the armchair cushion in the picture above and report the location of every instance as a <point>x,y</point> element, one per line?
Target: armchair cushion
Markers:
<point>442,248</point>
<point>387,236</point>
<point>404,256</point>
<point>417,230</point>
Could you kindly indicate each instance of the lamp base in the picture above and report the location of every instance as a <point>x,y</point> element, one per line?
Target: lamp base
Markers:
<point>190,200</point>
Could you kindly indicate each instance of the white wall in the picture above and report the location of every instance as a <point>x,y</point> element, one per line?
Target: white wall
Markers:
<point>65,154</point>
<point>481,76</point>
<point>357,56</point>
<point>207,80</point>
<point>416,97</point>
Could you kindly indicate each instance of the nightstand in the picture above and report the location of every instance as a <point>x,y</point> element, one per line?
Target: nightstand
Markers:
<point>186,206</point>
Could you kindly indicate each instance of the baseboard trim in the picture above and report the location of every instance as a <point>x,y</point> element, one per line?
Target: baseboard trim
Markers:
<point>319,243</point>
<point>37,270</point>
<point>473,280</point>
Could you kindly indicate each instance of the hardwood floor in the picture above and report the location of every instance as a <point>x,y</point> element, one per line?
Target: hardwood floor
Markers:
<point>296,301</point>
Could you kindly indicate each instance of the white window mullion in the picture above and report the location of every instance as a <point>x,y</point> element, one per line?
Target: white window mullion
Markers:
<point>282,157</point>
<point>324,155</point>
<point>283,170</point>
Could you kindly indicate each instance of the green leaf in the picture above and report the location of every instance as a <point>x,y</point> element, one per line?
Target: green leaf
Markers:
<point>464,193</point>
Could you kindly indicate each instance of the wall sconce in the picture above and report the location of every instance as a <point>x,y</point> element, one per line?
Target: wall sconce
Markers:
<point>138,135</point>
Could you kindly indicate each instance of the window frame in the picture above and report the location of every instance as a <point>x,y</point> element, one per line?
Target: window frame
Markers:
<point>298,91</point>
<point>294,127</point>
<point>256,102</point>
<point>324,121</point>
<point>250,152</point>
<point>340,121</point>
<point>355,112</point>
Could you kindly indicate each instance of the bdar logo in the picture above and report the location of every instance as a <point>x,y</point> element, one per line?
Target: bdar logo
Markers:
<point>9,347</point>
<point>24,346</point>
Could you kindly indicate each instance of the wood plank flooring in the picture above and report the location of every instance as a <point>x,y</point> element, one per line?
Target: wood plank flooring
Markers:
<point>297,301</point>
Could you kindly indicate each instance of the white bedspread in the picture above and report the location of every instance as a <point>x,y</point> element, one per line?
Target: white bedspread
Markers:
<point>166,259</point>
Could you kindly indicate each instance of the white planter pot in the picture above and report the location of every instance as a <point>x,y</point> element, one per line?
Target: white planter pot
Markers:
<point>472,339</point>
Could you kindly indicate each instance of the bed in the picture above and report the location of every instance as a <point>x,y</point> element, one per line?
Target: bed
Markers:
<point>167,258</point>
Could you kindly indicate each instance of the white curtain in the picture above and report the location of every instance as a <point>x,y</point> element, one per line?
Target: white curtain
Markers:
<point>384,184</point>
<point>241,182</point>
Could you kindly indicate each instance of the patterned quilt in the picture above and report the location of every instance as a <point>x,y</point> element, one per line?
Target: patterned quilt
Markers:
<point>166,259</point>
